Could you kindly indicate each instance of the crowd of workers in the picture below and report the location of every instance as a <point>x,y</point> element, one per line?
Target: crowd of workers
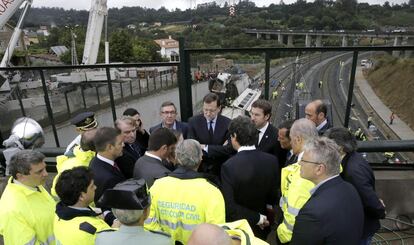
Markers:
<point>209,181</point>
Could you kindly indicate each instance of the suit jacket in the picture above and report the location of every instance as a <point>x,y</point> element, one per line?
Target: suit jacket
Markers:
<point>197,129</point>
<point>357,171</point>
<point>333,215</point>
<point>130,154</point>
<point>327,126</point>
<point>268,144</point>
<point>250,181</point>
<point>150,169</point>
<point>180,126</point>
<point>142,139</point>
<point>105,176</point>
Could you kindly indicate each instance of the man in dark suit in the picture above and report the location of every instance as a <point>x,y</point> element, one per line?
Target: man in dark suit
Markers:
<point>132,149</point>
<point>357,171</point>
<point>209,128</point>
<point>333,214</point>
<point>250,178</point>
<point>168,113</point>
<point>142,134</point>
<point>260,115</point>
<point>109,143</point>
<point>283,136</point>
<point>268,135</point>
<point>150,167</point>
<point>316,111</point>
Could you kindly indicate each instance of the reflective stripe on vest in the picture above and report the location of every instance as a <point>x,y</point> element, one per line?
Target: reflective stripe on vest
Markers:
<point>171,225</point>
<point>292,210</point>
<point>32,242</point>
<point>49,240</point>
<point>288,226</point>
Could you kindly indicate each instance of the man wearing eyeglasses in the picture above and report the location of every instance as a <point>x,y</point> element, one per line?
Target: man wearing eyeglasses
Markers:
<point>294,188</point>
<point>333,214</point>
<point>168,113</point>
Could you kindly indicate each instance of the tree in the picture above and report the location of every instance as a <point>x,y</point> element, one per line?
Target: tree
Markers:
<point>121,48</point>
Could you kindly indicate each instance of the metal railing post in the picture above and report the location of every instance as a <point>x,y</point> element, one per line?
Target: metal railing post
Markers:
<point>122,90</point>
<point>67,102</point>
<point>19,97</point>
<point>160,79</point>
<point>97,95</point>
<point>49,108</point>
<point>130,87</point>
<point>184,83</point>
<point>351,89</point>
<point>83,96</point>
<point>139,85</point>
<point>267,75</point>
<point>111,93</point>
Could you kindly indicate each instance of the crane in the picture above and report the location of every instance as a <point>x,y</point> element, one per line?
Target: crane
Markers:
<point>97,15</point>
<point>7,9</point>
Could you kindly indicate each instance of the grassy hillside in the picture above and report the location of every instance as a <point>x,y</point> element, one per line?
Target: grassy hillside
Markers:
<point>393,81</point>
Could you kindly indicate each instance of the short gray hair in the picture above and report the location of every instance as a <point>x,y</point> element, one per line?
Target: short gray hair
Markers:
<point>127,217</point>
<point>188,153</point>
<point>326,151</point>
<point>21,162</point>
<point>304,128</point>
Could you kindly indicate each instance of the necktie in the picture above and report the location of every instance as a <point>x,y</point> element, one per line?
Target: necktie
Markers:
<point>135,149</point>
<point>210,130</point>
<point>258,136</point>
<point>116,167</point>
<point>288,155</point>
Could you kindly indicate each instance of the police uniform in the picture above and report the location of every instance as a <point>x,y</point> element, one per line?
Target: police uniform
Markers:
<point>82,158</point>
<point>131,195</point>
<point>26,215</point>
<point>77,225</point>
<point>84,121</point>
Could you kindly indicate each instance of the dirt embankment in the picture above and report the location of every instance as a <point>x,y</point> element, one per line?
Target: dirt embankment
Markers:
<point>393,81</point>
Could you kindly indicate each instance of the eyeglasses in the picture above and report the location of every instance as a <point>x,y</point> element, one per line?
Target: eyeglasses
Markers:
<point>169,112</point>
<point>318,163</point>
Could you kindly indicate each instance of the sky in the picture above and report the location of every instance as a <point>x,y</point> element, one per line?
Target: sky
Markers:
<point>169,4</point>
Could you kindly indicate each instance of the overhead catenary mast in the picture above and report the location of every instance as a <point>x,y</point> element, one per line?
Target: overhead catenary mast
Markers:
<point>97,14</point>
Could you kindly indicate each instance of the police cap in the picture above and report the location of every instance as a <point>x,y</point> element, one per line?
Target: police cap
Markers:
<point>85,121</point>
<point>131,194</point>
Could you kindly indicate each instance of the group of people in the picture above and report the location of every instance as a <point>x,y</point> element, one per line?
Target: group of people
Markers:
<point>209,181</point>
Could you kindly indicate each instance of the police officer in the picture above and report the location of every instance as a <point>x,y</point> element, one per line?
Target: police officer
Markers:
<point>76,222</point>
<point>130,203</point>
<point>83,122</point>
<point>27,209</point>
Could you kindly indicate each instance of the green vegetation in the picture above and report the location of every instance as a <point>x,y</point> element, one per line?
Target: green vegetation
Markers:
<point>212,27</point>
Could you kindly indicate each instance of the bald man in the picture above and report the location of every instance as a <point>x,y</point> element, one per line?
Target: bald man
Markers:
<point>317,111</point>
<point>209,234</point>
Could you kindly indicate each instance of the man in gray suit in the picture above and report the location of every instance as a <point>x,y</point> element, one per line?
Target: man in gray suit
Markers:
<point>161,145</point>
<point>130,202</point>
